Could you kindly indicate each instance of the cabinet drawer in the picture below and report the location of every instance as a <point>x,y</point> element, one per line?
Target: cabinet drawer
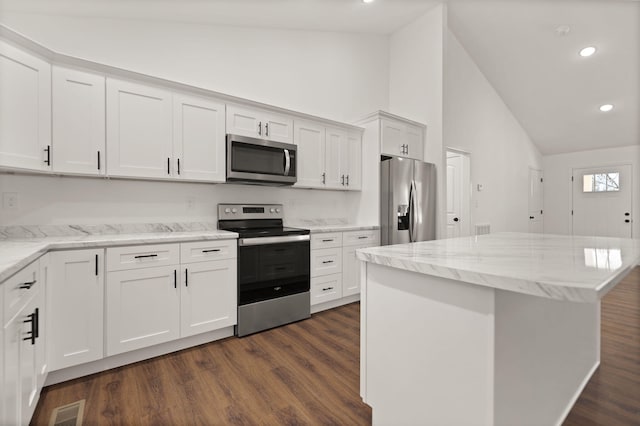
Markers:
<point>122,258</point>
<point>356,238</point>
<point>326,261</point>
<point>202,251</point>
<point>327,240</point>
<point>19,289</point>
<point>326,288</point>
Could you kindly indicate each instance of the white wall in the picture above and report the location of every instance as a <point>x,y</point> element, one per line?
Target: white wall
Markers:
<point>334,75</point>
<point>557,183</point>
<point>477,120</point>
<point>416,86</point>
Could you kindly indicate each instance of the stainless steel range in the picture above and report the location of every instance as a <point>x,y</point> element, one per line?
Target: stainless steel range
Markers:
<point>273,266</point>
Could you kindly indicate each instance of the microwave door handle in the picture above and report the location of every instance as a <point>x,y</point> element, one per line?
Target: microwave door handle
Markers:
<point>287,162</point>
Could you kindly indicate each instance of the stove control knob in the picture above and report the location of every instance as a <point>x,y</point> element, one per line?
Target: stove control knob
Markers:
<point>272,210</point>
<point>234,210</point>
<point>277,210</point>
<point>227,210</point>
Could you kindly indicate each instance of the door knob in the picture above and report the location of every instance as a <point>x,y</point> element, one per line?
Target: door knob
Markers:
<point>627,221</point>
<point>627,214</point>
<point>531,217</point>
<point>455,219</point>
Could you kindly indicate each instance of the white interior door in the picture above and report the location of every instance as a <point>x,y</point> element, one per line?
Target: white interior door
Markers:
<point>536,212</point>
<point>458,194</point>
<point>602,201</point>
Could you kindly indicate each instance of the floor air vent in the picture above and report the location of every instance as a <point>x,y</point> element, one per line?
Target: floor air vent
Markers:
<point>483,228</point>
<point>68,415</point>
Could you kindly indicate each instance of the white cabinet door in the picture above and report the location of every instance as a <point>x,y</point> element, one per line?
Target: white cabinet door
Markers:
<point>29,391</point>
<point>42,344</point>
<point>261,124</point>
<point>10,394</point>
<point>353,169</point>
<point>310,139</point>
<point>143,308</point>
<point>139,137</point>
<point>25,110</point>
<point>414,140</point>
<point>393,138</point>
<point>244,122</point>
<point>76,295</point>
<point>198,139</point>
<point>78,122</point>
<point>278,127</point>
<point>326,261</point>
<point>336,139</point>
<point>208,299</point>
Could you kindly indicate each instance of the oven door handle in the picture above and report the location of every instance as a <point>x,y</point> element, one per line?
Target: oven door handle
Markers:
<point>287,162</point>
<point>259,241</point>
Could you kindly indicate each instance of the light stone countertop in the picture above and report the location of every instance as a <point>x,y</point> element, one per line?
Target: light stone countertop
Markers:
<point>16,253</point>
<point>561,267</point>
<point>320,229</point>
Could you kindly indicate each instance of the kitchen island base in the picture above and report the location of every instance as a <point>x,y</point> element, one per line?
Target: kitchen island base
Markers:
<point>437,351</point>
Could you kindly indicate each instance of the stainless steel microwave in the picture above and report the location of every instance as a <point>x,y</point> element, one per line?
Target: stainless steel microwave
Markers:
<point>260,161</point>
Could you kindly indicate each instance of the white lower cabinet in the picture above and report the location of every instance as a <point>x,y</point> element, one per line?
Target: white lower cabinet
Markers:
<point>23,341</point>
<point>326,288</point>
<point>143,308</point>
<point>147,305</point>
<point>208,298</point>
<point>350,271</point>
<point>76,305</point>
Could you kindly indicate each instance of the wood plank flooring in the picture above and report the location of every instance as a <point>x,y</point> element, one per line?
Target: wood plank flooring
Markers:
<point>308,373</point>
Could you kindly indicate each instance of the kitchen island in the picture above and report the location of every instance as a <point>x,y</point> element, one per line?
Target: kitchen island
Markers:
<point>500,329</point>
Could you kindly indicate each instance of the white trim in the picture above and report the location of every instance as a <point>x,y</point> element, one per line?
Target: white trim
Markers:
<point>334,303</point>
<point>576,395</point>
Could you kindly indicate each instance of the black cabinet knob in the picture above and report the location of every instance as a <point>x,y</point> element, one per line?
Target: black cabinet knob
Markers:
<point>531,217</point>
<point>455,219</point>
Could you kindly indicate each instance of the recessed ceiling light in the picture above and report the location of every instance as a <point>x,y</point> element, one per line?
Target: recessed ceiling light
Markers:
<point>588,51</point>
<point>606,107</point>
<point>367,1</point>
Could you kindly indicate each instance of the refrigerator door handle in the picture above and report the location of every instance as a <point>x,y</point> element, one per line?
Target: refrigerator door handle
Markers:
<point>412,212</point>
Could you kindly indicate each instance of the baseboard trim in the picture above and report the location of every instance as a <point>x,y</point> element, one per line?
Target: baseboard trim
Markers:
<point>335,303</point>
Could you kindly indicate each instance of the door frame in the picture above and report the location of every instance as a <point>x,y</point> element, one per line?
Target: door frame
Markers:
<point>465,204</point>
<point>601,166</point>
<point>531,170</point>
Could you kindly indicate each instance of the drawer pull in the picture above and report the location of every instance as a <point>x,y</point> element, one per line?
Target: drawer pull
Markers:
<point>186,277</point>
<point>328,240</point>
<point>364,237</point>
<point>175,278</point>
<point>280,268</point>
<point>210,250</point>
<point>327,288</point>
<point>145,255</point>
<point>27,286</point>
<point>327,261</point>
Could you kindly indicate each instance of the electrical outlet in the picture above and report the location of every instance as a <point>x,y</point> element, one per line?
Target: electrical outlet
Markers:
<point>10,200</point>
<point>191,202</point>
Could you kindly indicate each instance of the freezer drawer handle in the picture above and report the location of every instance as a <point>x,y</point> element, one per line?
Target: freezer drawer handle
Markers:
<point>145,255</point>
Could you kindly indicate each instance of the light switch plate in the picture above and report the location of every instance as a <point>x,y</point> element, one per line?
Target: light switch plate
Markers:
<point>10,200</point>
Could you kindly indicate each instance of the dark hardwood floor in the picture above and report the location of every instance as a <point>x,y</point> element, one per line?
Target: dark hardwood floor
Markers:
<point>308,373</point>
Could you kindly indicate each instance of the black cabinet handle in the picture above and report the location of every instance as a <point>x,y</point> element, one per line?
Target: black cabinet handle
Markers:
<point>178,166</point>
<point>260,127</point>
<point>98,160</point>
<point>327,288</point>
<point>531,217</point>
<point>186,277</point>
<point>327,261</point>
<point>327,241</point>
<point>280,268</point>
<point>32,332</point>
<point>96,265</point>
<point>168,166</point>
<point>363,238</point>
<point>324,178</point>
<point>175,278</point>
<point>145,255</point>
<point>27,286</point>
<point>210,250</point>
<point>266,129</point>
<point>342,181</point>
<point>48,151</point>
<point>347,180</point>
<point>37,323</point>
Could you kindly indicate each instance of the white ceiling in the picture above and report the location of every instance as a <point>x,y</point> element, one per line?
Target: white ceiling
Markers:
<point>552,91</point>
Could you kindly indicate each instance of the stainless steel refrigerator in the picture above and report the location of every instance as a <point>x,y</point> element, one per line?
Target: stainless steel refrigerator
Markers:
<point>407,201</point>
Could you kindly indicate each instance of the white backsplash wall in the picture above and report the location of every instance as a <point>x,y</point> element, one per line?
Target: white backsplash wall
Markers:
<point>341,76</point>
<point>53,200</point>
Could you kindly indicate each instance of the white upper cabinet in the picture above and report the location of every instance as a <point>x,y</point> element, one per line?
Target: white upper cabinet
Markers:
<point>353,165</point>
<point>336,140</point>
<point>139,136</point>
<point>78,122</point>
<point>198,139</point>
<point>25,110</point>
<point>401,139</point>
<point>310,139</point>
<point>261,124</point>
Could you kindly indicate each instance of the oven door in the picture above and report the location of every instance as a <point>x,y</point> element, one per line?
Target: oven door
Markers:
<point>260,161</point>
<point>271,271</point>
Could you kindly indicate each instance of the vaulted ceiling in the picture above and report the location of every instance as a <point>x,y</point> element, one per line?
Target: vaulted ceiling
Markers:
<point>553,91</point>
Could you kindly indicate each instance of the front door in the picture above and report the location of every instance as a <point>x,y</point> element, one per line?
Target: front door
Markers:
<point>602,201</point>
